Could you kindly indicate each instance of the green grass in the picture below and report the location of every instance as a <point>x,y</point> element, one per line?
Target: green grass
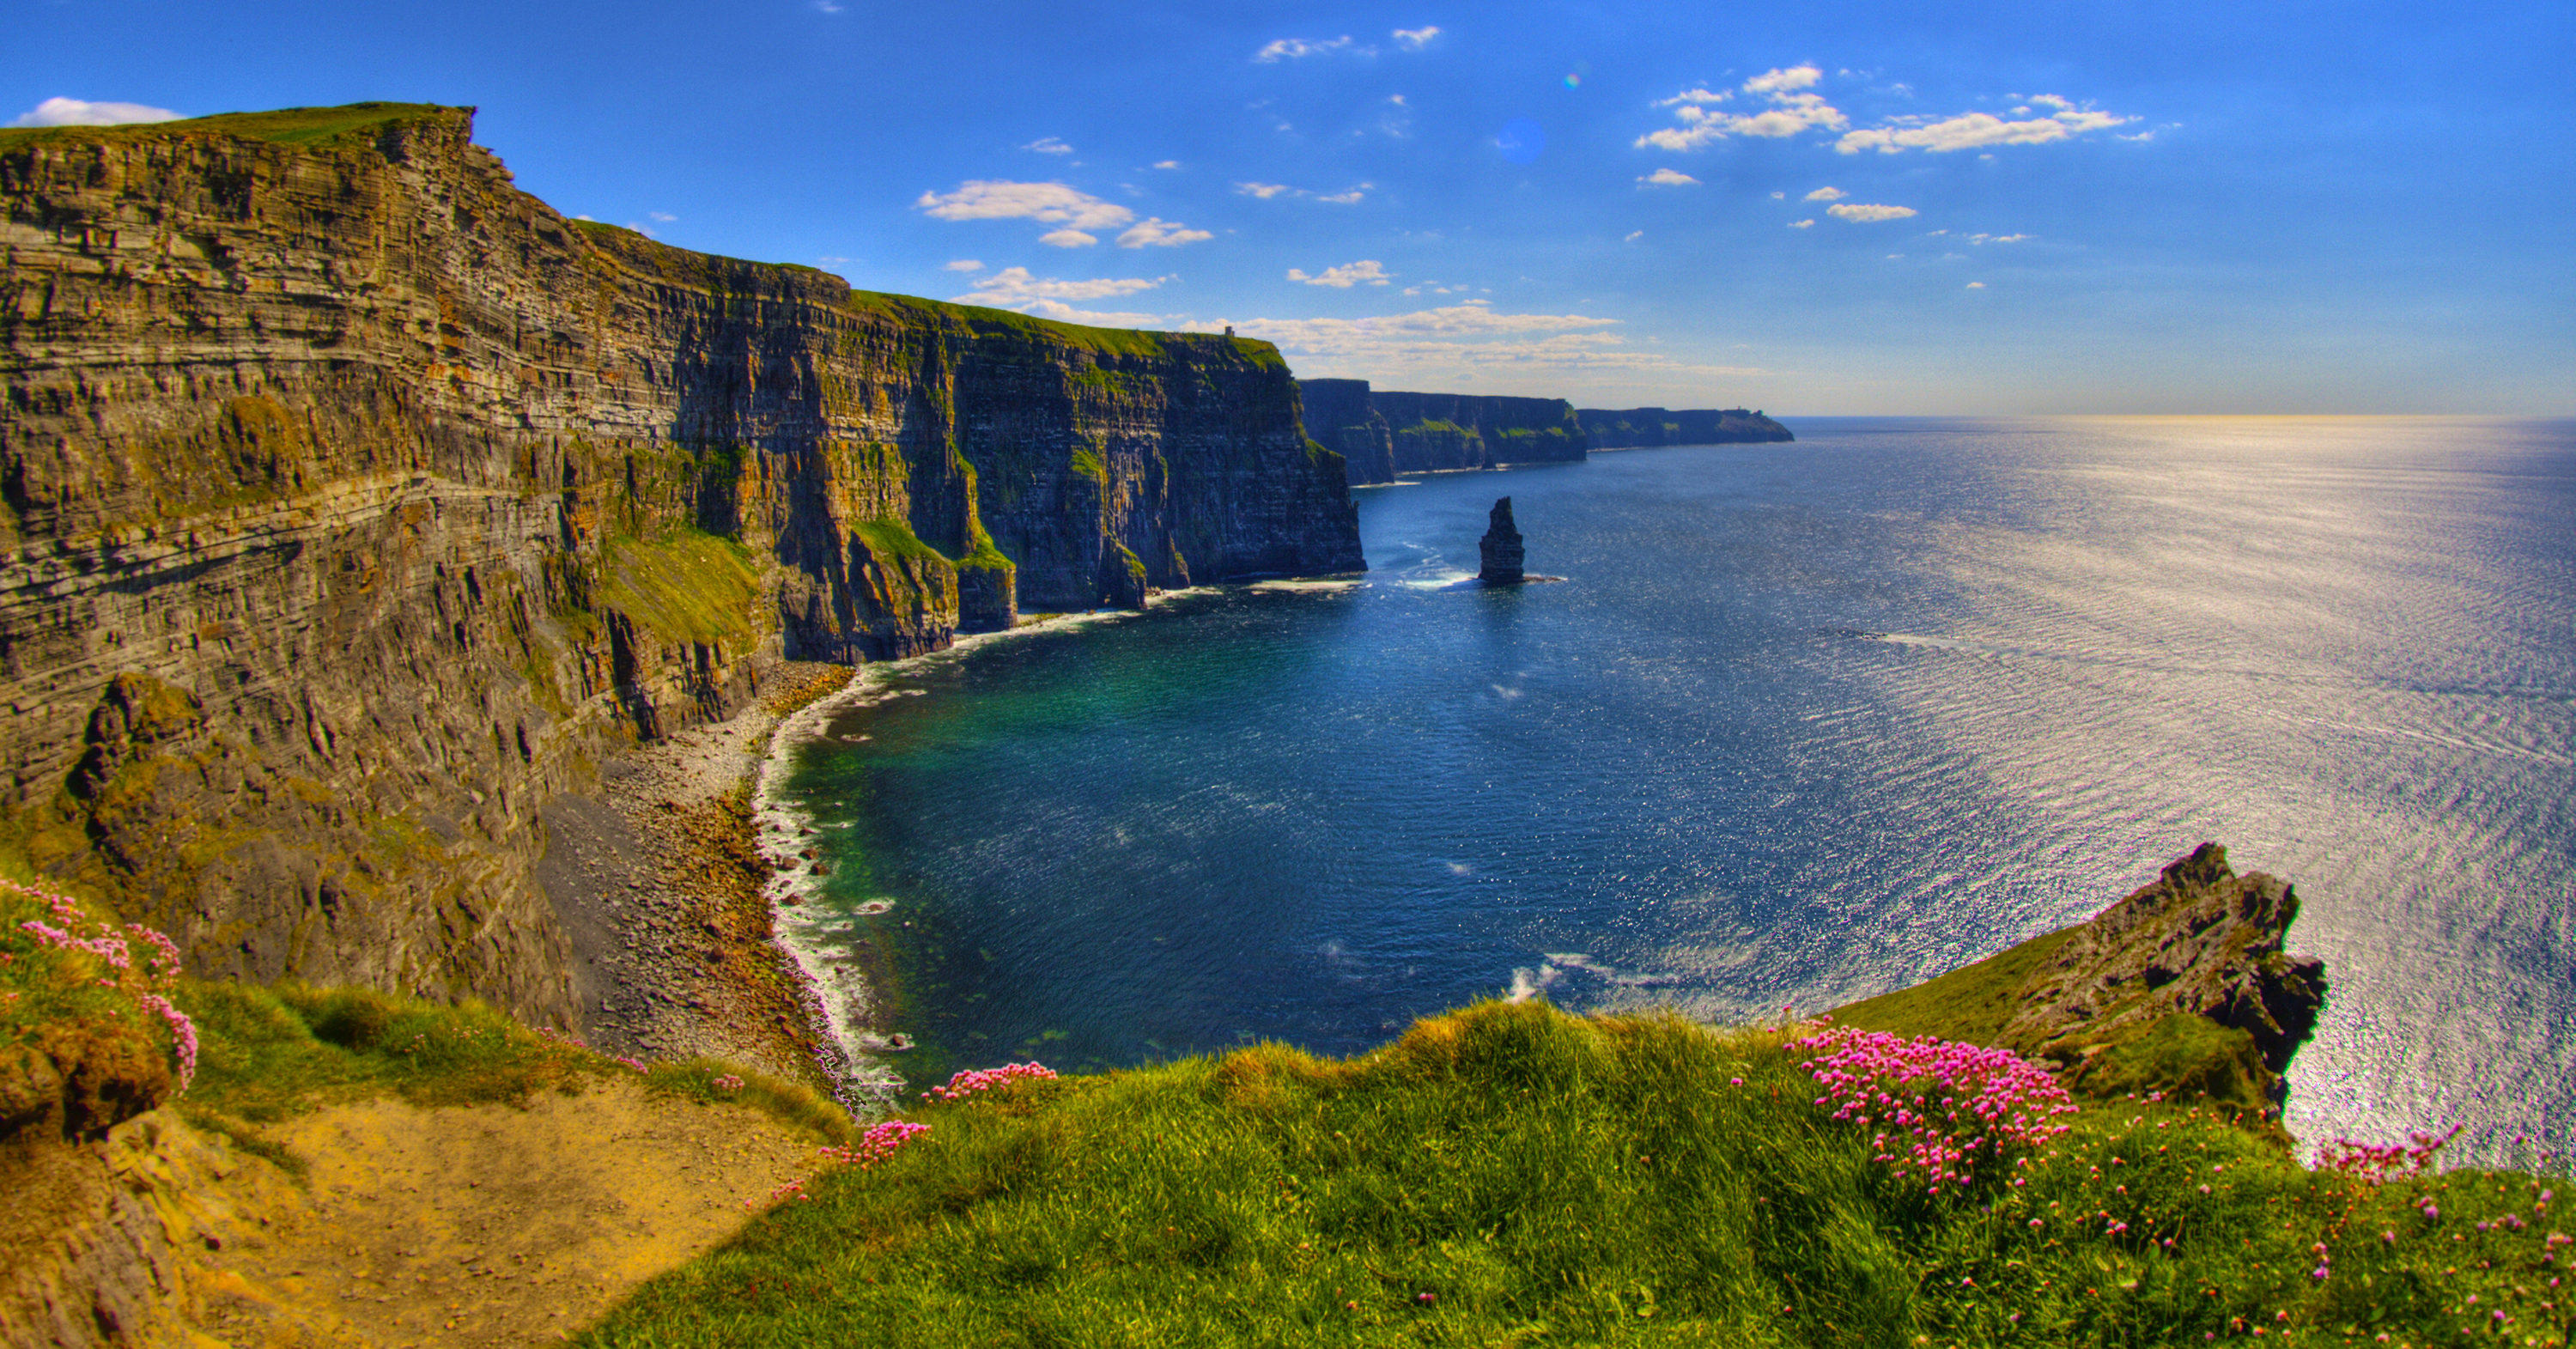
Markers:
<point>284,126</point>
<point>1972,1003</point>
<point>1512,1175</point>
<point>685,584</point>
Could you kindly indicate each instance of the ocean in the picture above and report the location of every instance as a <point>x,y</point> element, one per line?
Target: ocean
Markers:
<point>1801,724</point>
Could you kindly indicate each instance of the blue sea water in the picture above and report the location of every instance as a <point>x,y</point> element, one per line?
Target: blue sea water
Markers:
<point>1804,723</point>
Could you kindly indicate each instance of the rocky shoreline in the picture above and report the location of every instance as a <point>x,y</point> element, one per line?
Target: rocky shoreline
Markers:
<point>659,883</point>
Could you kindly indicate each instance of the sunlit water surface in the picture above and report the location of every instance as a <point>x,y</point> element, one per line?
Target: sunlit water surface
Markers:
<point>1805,723</point>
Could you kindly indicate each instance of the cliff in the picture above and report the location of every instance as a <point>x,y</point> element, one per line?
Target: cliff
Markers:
<point>357,503</point>
<point>2181,987</point>
<point>1382,433</point>
<point>1638,427</point>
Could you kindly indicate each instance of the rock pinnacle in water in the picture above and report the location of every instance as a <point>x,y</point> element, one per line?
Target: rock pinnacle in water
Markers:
<point>1501,548</point>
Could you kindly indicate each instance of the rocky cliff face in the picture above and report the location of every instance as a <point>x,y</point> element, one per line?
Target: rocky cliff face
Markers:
<point>1639,427</point>
<point>1381,433</point>
<point>357,502</point>
<point>1340,417</point>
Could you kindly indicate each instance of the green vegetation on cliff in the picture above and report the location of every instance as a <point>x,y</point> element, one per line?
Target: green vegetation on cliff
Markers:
<point>683,584</point>
<point>1513,1175</point>
<point>283,126</point>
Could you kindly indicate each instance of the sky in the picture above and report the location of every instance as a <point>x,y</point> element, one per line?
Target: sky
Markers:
<point>1995,208</point>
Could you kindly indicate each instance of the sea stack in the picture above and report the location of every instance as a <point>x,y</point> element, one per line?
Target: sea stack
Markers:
<point>1501,549</point>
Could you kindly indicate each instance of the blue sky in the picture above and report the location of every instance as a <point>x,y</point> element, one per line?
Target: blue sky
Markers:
<point>1813,209</point>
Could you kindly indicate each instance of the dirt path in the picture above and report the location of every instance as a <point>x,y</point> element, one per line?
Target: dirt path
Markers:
<point>484,1225</point>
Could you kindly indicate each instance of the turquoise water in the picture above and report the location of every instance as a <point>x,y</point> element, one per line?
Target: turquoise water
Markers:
<point>1804,723</point>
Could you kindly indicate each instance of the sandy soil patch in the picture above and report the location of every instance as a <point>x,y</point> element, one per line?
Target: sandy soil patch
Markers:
<point>489,1225</point>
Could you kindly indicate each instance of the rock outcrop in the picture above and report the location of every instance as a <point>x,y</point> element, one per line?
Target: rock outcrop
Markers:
<point>2201,941</point>
<point>1436,432</point>
<point>1639,427</point>
<point>2183,988</point>
<point>357,503</point>
<point>1500,549</point>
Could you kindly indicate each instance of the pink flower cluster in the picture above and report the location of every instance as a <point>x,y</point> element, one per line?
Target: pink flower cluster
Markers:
<point>878,1143</point>
<point>148,986</point>
<point>2375,1162</point>
<point>974,1080</point>
<point>1938,1104</point>
<point>728,1082</point>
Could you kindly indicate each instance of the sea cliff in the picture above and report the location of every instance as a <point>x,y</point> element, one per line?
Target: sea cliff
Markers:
<point>1381,433</point>
<point>358,503</point>
<point>1636,428</point>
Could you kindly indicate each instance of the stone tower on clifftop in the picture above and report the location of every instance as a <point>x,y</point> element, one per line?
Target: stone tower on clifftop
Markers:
<point>1501,548</point>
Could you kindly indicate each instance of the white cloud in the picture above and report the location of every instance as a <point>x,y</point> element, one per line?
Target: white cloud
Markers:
<point>1346,197</point>
<point>1291,48</point>
<point>1167,163</point>
<point>1802,224</point>
<point>80,112</point>
<point>1862,215</point>
<point>826,7</point>
<point>1065,313</point>
<point>1976,285</point>
<point>1996,238</point>
<point>1077,213</point>
<point>1976,130</point>
<point>1346,276</point>
<point>1415,39</point>
<point>1666,178</point>
<point>1014,287</point>
<point>1155,232</point>
<point>1048,145</point>
<point>1051,203</point>
<point>1633,236</point>
<point>664,216</point>
<point>1827,194</point>
<point>1782,81</point>
<point>963,265</point>
<point>1788,113</point>
<point>2052,100</point>
<point>1779,196</point>
<point>1460,339</point>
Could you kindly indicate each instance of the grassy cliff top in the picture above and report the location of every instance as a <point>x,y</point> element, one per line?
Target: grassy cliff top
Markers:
<point>282,126</point>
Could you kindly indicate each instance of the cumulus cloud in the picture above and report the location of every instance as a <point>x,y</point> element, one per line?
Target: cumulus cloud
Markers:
<point>1265,191</point>
<point>1013,287</point>
<point>963,265</point>
<point>1976,285</point>
<point>1048,145</point>
<point>1461,342</point>
<point>1786,113</point>
<point>1783,107</point>
<point>81,112</point>
<point>1155,232</point>
<point>1291,48</point>
<point>1666,178</point>
<point>1075,212</point>
<point>1825,194</point>
<point>1415,39</point>
<point>1976,130</point>
<point>1167,163</point>
<point>1867,214</point>
<point>1345,276</point>
<point>1782,81</point>
<point>1802,224</point>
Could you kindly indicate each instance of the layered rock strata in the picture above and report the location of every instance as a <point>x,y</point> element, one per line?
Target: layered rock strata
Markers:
<point>1637,428</point>
<point>357,503</point>
<point>1382,433</point>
